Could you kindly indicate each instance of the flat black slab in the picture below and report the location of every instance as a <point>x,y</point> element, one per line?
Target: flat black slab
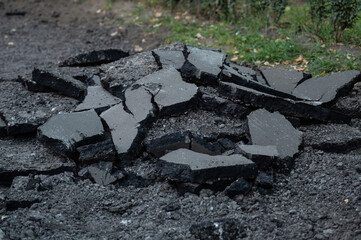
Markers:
<point>268,128</point>
<point>127,133</point>
<point>100,151</point>
<point>24,156</point>
<point>169,58</point>
<point>263,156</point>
<point>285,106</point>
<point>97,98</point>
<point>160,146</point>
<point>326,89</point>
<point>284,80</point>
<point>203,65</point>
<point>66,131</point>
<point>116,77</point>
<point>63,84</point>
<point>187,166</point>
<point>94,58</point>
<point>201,145</point>
<point>24,111</point>
<point>102,173</point>
<point>172,95</point>
<point>337,138</point>
<point>139,102</point>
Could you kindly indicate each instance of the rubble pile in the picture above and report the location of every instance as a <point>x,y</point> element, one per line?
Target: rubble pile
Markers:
<point>204,121</point>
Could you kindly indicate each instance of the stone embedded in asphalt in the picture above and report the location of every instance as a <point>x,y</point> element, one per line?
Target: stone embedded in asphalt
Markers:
<point>263,156</point>
<point>223,106</point>
<point>160,146</point>
<point>169,58</point>
<point>232,76</point>
<point>327,88</point>
<point>94,58</point>
<point>24,156</point>
<point>200,145</point>
<point>127,133</point>
<point>100,151</point>
<point>138,101</point>
<point>337,138</point>
<point>240,186</point>
<point>268,128</point>
<point>288,107</point>
<point>66,131</point>
<point>65,85</point>
<point>102,173</point>
<point>99,99</point>
<point>24,111</point>
<point>218,229</point>
<point>3,128</point>
<point>203,65</point>
<point>265,179</point>
<point>172,95</point>
<point>188,166</point>
<point>116,77</point>
<point>284,80</point>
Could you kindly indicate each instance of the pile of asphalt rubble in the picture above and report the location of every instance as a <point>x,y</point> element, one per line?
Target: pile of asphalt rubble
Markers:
<point>202,120</point>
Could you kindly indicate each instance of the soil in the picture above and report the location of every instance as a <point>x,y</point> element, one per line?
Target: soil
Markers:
<point>319,199</point>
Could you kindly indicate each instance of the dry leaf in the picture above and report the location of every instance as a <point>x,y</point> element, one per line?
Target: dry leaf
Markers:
<point>138,48</point>
<point>158,14</point>
<point>114,34</point>
<point>234,58</point>
<point>199,36</point>
<point>157,25</point>
<point>266,63</point>
<point>143,40</point>
<point>323,73</point>
<point>11,43</point>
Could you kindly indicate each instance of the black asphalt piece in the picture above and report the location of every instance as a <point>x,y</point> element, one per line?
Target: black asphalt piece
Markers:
<point>97,98</point>
<point>243,70</point>
<point>127,133</point>
<point>15,13</point>
<point>337,138</point>
<point>223,106</point>
<point>200,145</point>
<point>230,75</point>
<point>139,102</point>
<point>285,106</point>
<point>172,95</point>
<point>3,128</point>
<point>24,156</point>
<point>66,131</point>
<point>203,65</point>
<point>265,179</point>
<point>218,229</point>
<point>116,77</point>
<point>169,58</point>
<point>327,88</point>
<point>64,85</point>
<point>100,151</point>
<point>102,173</point>
<point>284,80</point>
<point>160,146</point>
<point>32,86</point>
<point>94,58</point>
<point>24,111</point>
<point>240,186</point>
<point>267,129</point>
<point>188,166</point>
<point>263,156</point>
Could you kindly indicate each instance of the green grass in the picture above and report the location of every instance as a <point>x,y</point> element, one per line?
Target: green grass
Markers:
<point>248,41</point>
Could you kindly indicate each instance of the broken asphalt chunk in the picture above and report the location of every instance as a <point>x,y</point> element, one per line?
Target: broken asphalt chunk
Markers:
<point>203,65</point>
<point>285,106</point>
<point>171,94</point>
<point>139,102</point>
<point>284,80</point>
<point>268,128</point>
<point>65,132</point>
<point>64,85</point>
<point>116,77</point>
<point>187,166</point>
<point>100,151</point>
<point>24,111</point>
<point>24,156</point>
<point>327,88</point>
<point>127,133</point>
<point>240,186</point>
<point>99,99</point>
<point>94,58</point>
<point>265,179</point>
<point>200,145</point>
<point>218,229</point>
<point>102,173</point>
<point>263,156</point>
<point>337,138</point>
<point>169,58</point>
<point>169,142</point>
